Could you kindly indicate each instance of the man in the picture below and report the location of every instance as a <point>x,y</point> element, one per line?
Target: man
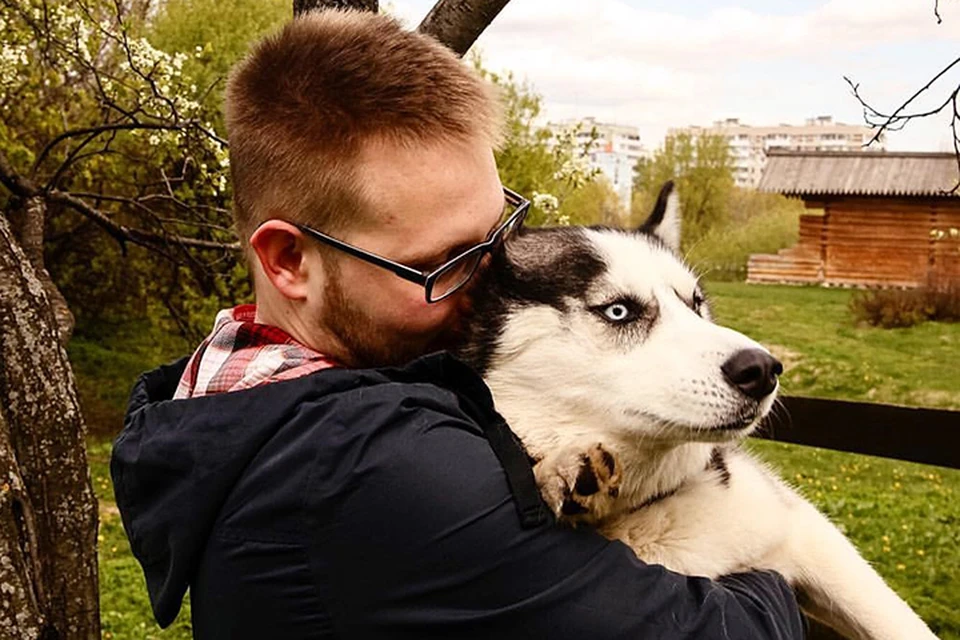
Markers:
<point>302,493</point>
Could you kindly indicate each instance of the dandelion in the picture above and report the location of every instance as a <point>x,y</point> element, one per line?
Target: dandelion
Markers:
<point>901,567</point>
<point>921,552</point>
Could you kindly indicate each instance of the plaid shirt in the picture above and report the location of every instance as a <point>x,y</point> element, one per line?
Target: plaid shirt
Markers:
<point>240,353</point>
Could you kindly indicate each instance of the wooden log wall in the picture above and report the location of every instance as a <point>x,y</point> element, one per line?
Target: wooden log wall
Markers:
<point>869,242</point>
<point>799,264</point>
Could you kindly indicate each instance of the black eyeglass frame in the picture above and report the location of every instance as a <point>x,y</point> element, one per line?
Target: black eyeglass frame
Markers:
<point>427,279</point>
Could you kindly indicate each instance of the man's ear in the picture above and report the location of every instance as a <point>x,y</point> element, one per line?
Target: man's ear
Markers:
<point>279,247</point>
<point>664,220</point>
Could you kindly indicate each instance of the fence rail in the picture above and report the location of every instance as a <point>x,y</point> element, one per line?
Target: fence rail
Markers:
<point>928,436</point>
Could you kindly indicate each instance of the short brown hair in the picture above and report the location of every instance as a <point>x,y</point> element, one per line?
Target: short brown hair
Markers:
<point>306,100</point>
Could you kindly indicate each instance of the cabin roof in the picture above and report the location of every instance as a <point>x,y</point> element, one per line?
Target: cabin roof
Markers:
<point>866,173</point>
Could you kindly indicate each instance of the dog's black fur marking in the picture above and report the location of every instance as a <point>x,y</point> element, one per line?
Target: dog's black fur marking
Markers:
<point>587,483</point>
<point>655,499</point>
<point>536,267</point>
<point>718,464</point>
<point>572,508</point>
<point>609,461</point>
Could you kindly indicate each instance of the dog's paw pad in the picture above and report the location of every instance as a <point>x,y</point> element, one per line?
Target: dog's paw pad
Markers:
<point>580,484</point>
<point>599,473</point>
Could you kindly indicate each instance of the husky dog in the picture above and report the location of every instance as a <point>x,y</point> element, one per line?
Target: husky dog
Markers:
<point>600,352</point>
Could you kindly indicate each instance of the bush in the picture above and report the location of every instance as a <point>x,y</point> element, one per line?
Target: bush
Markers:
<point>893,308</point>
<point>756,223</point>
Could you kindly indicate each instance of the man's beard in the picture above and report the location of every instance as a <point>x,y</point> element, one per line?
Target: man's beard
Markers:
<point>368,345</point>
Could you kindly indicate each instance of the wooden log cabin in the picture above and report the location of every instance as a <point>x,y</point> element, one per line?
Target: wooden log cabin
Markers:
<point>881,219</point>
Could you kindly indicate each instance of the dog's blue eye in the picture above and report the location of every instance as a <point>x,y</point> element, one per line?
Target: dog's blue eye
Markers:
<point>616,312</point>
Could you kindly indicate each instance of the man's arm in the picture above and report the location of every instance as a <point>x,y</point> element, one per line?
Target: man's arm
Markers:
<point>425,541</point>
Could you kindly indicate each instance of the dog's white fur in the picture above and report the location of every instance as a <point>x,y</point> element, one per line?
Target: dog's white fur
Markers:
<point>565,380</point>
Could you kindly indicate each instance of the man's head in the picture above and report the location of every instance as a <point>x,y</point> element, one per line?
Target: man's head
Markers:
<point>349,124</point>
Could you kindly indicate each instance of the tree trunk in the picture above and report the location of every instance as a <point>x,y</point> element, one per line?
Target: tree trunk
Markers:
<point>27,223</point>
<point>455,23</point>
<point>300,6</point>
<point>48,513</point>
<point>458,23</point>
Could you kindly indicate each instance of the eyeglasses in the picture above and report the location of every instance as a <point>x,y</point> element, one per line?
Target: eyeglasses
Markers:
<point>449,277</point>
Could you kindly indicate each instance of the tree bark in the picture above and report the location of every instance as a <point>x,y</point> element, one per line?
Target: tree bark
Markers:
<point>458,23</point>
<point>301,6</point>
<point>455,23</point>
<point>48,514</point>
<point>27,223</point>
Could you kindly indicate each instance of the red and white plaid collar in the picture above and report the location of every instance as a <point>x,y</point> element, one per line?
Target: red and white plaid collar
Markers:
<point>240,353</point>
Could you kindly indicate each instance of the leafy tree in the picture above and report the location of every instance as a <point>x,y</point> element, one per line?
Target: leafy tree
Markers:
<point>547,168</point>
<point>215,44</point>
<point>703,171</point>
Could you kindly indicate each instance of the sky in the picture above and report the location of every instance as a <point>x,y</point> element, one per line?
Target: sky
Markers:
<point>657,64</point>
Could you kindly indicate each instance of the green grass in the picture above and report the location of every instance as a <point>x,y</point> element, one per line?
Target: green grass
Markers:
<point>827,355</point>
<point>905,518</point>
<point>107,365</point>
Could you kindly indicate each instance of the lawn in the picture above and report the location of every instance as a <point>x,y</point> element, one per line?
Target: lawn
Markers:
<point>827,355</point>
<point>904,517</point>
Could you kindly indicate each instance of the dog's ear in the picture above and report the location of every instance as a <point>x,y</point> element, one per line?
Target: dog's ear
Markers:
<point>664,220</point>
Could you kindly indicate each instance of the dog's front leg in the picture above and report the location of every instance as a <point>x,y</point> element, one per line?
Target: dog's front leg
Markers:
<point>838,587</point>
<point>579,482</point>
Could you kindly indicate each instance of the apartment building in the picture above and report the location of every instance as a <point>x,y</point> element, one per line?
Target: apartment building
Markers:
<point>749,144</point>
<point>615,152</point>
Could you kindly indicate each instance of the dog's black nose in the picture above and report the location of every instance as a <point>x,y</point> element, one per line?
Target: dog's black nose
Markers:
<point>753,371</point>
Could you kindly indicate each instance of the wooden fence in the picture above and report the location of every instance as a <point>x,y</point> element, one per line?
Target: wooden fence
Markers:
<point>928,436</point>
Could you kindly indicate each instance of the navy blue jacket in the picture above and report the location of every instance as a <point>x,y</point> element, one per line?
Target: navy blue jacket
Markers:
<point>371,504</point>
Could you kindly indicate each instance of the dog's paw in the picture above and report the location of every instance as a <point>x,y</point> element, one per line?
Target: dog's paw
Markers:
<point>579,484</point>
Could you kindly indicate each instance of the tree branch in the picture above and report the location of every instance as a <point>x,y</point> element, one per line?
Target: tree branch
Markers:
<point>458,23</point>
<point>124,234</point>
<point>302,6</point>
<point>882,122</point>
<point>24,188</point>
<point>95,131</point>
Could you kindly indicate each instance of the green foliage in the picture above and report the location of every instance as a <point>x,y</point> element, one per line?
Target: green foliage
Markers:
<point>755,223</point>
<point>594,203</point>
<point>199,27</point>
<point>893,308</point>
<point>827,355</point>
<point>550,170</point>
<point>702,169</point>
<point>124,127</point>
